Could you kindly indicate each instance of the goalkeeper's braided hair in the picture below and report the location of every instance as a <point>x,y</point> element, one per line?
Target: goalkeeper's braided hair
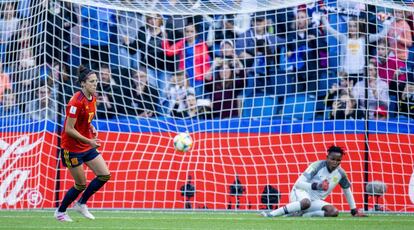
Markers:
<point>336,149</point>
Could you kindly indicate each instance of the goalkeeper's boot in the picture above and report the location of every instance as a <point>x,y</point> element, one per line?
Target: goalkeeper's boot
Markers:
<point>62,216</point>
<point>83,210</point>
<point>266,214</point>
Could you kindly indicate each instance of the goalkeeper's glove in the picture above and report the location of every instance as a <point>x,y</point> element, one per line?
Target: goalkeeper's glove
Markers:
<point>323,186</point>
<point>356,213</point>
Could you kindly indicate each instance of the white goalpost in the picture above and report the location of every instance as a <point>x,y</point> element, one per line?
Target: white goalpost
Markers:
<point>263,88</point>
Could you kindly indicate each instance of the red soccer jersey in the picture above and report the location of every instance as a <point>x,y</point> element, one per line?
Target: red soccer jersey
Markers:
<point>83,110</point>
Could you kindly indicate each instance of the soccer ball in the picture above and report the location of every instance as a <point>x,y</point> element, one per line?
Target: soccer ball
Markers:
<point>183,142</point>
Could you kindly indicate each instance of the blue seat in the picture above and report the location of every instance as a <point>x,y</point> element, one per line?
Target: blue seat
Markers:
<point>299,107</point>
<point>264,106</point>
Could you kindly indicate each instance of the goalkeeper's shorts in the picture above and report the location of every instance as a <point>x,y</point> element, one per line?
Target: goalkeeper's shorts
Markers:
<point>299,194</point>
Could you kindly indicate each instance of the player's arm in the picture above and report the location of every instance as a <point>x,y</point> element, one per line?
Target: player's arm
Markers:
<point>346,187</point>
<point>304,181</point>
<point>93,130</point>
<point>351,201</point>
<point>72,132</point>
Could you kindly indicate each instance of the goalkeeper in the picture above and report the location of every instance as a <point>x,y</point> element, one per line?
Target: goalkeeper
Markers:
<point>314,185</point>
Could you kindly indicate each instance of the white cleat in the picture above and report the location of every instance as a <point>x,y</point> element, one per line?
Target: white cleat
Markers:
<point>83,210</point>
<point>62,216</point>
<point>265,214</point>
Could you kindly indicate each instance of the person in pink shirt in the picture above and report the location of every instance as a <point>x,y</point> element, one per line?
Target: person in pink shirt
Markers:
<point>399,36</point>
<point>390,68</point>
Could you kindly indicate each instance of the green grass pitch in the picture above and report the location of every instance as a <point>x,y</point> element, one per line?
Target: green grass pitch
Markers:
<point>43,219</point>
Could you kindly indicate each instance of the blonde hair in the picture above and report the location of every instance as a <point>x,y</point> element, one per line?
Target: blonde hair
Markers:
<point>155,16</point>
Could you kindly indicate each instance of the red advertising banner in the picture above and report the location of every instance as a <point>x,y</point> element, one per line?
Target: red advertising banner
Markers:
<point>148,173</point>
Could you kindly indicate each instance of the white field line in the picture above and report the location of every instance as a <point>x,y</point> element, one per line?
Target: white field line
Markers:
<point>171,217</point>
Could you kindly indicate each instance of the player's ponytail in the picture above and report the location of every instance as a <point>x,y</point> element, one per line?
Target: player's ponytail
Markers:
<point>83,73</point>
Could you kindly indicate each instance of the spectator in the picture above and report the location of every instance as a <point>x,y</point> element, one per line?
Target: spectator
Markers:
<point>178,91</point>
<point>97,25</point>
<point>225,89</point>
<point>109,96</point>
<point>345,87</point>
<point>60,81</point>
<point>23,38</point>
<point>390,69</point>
<point>4,81</point>
<point>146,99</point>
<point>128,24</point>
<point>257,49</point>
<point>190,107</point>
<point>194,58</point>
<point>174,23</point>
<point>406,106</point>
<point>174,28</point>
<point>345,108</point>
<point>377,92</point>
<point>43,106</point>
<point>301,54</point>
<point>8,21</point>
<point>25,74</point>
<point>353,45</point>
<point>399,36</point>
<point>60,19</point>
<point>225,31</point>
<point>410,21</point>
<point>8,106</point>
<point>227,53</point>
<point>149,43</point>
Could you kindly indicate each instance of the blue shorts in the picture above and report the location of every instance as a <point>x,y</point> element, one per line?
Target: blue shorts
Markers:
<point>72,160</point>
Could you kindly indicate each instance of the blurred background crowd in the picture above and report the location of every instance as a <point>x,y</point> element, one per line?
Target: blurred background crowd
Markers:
<point>323,60</point>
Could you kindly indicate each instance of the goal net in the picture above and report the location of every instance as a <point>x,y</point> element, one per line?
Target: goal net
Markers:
<point>263,87</point>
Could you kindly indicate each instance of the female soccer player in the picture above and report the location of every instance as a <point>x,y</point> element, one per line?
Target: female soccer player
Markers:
<point>79,143</point>
<point>314,185</point>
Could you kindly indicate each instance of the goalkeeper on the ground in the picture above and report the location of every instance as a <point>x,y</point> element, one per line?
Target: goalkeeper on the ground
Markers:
<point>314,185</point>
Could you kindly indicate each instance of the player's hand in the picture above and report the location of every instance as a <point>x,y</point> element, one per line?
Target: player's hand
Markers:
<point>94,143</point>
<point>356,213</point>
<point>323,186</point>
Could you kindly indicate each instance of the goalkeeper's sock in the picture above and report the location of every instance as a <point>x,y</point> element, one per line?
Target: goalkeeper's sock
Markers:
<point>314,214</point>
<point>289,208</point>
<point>70,196</point>
<point>93,187</point>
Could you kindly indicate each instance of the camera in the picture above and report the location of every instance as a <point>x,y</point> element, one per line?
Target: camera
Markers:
<point>341,105</point>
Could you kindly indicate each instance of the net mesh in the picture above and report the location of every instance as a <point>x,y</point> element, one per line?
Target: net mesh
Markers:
<point>263,88</point>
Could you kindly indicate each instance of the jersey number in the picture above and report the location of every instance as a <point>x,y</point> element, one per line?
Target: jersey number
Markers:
<point>90,117</point>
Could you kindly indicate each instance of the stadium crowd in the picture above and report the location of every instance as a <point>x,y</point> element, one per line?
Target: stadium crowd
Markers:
<point>210,66</point>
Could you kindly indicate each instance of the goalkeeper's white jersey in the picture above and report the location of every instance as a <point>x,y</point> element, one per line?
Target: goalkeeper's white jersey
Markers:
<point>318,172</point>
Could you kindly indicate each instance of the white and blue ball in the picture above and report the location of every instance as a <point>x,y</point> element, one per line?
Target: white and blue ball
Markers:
<point>183,142</point>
